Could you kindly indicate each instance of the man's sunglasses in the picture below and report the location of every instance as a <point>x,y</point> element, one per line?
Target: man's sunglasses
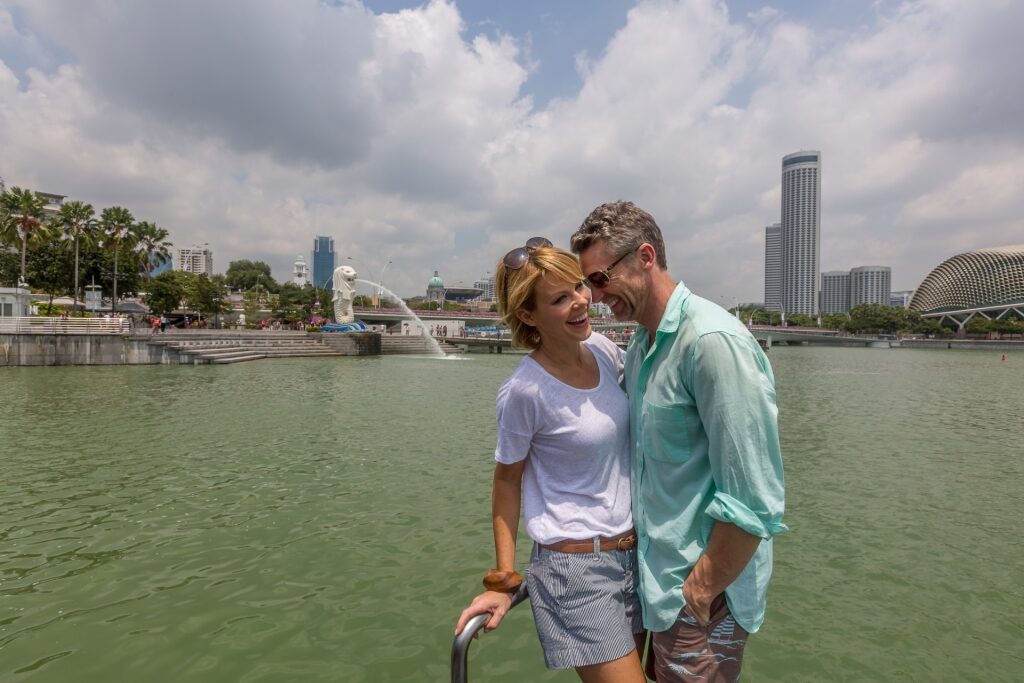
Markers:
<point>517,258</point>
<point>601,278</point>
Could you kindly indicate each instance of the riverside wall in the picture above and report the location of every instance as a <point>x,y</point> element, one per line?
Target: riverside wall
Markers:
<point>973,344</point>
<point>22,350</point>
<point>354,344</point>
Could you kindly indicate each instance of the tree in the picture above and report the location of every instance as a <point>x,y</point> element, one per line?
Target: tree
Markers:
<point>206,296</point>
<point>165,291</point>
<point>801,320</point>
<point>151,246</point>
<point>49,268</point>
<point>77,223</point>
<point>25,208</point>
<point>247,274</point>
<point>117,224</point>
<point>835,321</point>
<point>876,319</point>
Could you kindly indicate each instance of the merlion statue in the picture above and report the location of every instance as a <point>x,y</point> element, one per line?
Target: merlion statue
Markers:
<point>344,291</point>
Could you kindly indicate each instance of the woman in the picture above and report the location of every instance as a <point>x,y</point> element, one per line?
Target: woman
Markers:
<point>563,453</point>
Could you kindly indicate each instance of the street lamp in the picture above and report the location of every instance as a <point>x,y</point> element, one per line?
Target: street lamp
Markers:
<point>380,283</point>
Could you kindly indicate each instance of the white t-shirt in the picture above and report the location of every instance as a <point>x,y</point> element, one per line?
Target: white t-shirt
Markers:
<point>576,480</point>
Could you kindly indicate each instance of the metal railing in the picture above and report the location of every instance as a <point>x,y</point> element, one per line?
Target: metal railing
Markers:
<point>58,325</point>
<point>460,646</point>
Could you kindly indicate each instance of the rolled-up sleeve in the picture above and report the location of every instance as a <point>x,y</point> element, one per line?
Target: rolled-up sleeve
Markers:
<point>735,395</point>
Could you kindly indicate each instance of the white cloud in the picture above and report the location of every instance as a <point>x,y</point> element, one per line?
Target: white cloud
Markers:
<point>254,126</point>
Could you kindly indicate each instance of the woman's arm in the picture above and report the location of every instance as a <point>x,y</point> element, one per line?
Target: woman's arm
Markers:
<point>506,500</point>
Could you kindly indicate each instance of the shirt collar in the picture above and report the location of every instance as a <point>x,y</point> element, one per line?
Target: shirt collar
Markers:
<point>674,310</point>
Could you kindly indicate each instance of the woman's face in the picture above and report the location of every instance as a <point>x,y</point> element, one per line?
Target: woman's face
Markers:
<point>560,311</point>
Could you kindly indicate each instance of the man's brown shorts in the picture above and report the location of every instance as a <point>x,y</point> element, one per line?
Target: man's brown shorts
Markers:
<point>688,652</point>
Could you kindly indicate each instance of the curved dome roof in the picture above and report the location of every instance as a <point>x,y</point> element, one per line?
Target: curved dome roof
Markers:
<point>436,281</point>
<point>986,277</point>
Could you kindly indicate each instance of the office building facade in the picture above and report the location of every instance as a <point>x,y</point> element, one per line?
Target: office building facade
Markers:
<point>487,285</point>
<point>901,299</point>
<point>835,291</point>
<point>801,232</point>
<point>773,267</point>
<point>324,261</point>
<point>195,260</point>
<point>870,285</point>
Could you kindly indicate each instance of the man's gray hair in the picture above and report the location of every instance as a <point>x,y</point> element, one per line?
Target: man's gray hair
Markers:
<point>622,226</point>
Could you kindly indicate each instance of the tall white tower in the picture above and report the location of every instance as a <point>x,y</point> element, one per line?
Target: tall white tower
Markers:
<point>801,232</point>
<point>300,274</point>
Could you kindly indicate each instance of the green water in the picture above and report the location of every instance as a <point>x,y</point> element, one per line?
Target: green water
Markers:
<point>327,519</point>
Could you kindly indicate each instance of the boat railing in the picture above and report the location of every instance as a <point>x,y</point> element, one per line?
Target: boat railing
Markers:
<point>460,646</point>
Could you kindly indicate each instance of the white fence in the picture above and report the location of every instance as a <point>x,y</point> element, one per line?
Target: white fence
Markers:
<point>57,325</point>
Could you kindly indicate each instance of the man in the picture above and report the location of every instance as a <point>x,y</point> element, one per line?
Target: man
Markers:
<point>706,471</point>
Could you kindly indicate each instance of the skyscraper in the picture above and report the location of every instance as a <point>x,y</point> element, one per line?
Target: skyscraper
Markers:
<point>323,261</point>
<point>801,232</point>
<point>835,291</point>
<point>773,267</point>
<point>870,285</point>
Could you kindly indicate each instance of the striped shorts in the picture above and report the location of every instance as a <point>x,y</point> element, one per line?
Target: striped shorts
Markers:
<point>584,605</point>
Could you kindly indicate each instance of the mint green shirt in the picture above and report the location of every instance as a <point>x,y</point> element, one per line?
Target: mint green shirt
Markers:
<point>705,447</point>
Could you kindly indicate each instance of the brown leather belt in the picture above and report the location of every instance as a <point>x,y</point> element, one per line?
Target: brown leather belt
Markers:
<point>624,541</point>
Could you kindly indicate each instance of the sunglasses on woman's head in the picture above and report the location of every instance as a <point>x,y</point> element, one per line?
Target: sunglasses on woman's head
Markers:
<point>517,258</point>
<point>601,278</point>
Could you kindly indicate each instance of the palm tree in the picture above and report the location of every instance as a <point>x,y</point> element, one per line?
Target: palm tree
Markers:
<point>78,223</point>
<point>25,207</point>
<point>152,246</point>
<point>117,224</point>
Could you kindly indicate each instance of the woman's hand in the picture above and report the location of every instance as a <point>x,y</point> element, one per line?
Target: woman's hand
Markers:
<point>497,604</point>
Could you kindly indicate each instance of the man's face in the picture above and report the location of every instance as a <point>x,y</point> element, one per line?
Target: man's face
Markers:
<point>626,291</point>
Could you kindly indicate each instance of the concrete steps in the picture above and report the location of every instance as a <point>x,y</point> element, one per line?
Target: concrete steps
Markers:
<point>240,346</point>
<point>407,345</point>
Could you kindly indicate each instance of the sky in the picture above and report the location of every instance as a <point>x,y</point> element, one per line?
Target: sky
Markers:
<point>440,135</point>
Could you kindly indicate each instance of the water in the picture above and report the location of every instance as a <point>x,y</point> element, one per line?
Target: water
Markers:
<point>326,520</point>
<point>408,311</point>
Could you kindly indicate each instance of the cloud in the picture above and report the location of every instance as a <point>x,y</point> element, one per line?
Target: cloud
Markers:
<point>410,137</point>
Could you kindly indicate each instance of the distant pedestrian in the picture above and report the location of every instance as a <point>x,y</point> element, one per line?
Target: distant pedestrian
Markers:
<point>163,324</point>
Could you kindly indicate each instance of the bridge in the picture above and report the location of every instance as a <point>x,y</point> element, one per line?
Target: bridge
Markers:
<point>768,334</point>
<point>772,334</point>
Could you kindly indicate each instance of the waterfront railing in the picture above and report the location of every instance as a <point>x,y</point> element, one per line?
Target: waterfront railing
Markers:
<point>460,647</point>
<point>58,325</point>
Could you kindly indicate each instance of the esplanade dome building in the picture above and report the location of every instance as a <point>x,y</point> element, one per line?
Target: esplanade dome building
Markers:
<point>988,282</point>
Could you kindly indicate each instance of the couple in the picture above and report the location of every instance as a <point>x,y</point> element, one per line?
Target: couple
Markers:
<point>650,509</point>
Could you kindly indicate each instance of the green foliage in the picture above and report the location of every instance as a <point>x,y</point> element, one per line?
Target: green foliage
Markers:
<point>251,307</point>
<point>980,325</point>
<point>801,320</point>
<point>10,267</point>
<point>50,309</point>
<point>206,296</point>
<point>50,267</point>
<point>247,274</point>
<point>835,321</point>
<point>150,246</point>
<point>166,291</point>
<point>24,211</point>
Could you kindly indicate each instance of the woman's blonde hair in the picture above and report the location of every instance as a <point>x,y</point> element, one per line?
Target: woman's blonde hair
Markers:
<point>516,288</point>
